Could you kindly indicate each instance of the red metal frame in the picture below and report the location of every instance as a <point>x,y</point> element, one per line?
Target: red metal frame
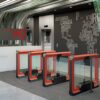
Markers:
<point>32,77</point>
<point>18,67</point>
<point>47,81</point>
<point>74,89</point>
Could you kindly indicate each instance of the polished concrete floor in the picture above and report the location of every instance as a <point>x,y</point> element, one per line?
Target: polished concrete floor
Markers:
<point>9,92</point>
<point>56,92</point>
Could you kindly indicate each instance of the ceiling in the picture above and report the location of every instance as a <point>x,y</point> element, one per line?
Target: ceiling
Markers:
<point>14,13</point>
<point>21,5</point>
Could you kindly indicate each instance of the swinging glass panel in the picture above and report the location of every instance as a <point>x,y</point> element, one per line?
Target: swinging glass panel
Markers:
<point>36,62</point>
<point>58,65</point>
<point>82,72</point>
<point>24,62</point>
<point>62,65</point>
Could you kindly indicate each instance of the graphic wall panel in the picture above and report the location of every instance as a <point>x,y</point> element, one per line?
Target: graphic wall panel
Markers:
<point>77,32</point>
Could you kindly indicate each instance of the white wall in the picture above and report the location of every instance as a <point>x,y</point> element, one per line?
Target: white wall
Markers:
<point>8,56</point>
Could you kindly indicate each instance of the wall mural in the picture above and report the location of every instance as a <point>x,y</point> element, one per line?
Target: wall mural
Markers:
<point>90,32</point>
<point>65,27</point>
<point>77,32</point>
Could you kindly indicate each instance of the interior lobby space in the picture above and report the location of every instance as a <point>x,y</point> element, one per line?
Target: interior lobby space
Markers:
<point>49,49</point>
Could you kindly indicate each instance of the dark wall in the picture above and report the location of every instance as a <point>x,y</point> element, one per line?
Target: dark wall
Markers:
<point>36,31</point>
<point>77,31</point>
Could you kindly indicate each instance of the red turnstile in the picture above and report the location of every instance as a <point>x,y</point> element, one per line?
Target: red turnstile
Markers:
<point>35,74</point>
<point>88,82</point>
<point>54,77</point>
<point>20,73</point>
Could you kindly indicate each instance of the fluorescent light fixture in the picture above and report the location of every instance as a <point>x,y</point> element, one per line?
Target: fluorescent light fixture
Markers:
<point>32,3</point>
<point>8,2</point>
<point>29,4</point>
<point>75,0</point>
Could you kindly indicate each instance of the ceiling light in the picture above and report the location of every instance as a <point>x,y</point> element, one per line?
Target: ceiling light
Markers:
<point>8,2</point>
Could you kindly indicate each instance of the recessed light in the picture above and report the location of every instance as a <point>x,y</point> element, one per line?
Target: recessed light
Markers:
<point>89,3</point>
<point>70,7</point>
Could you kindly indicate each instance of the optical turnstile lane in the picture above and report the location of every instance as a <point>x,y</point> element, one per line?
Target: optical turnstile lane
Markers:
<point>50,78</point>
<point>35,74</point>
<point>19,73</point>
<point>86,84</point>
